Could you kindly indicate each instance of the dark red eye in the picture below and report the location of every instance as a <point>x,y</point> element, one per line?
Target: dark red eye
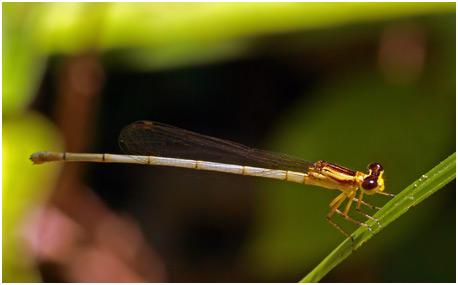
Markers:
<point>369,183</point>
<point>375,167</point>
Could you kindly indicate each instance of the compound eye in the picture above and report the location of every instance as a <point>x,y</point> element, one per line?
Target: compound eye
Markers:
<point>369,183</point>
<point>375,167</point>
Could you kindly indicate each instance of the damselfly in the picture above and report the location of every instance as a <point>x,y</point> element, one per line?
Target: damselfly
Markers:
<point>153,143</point>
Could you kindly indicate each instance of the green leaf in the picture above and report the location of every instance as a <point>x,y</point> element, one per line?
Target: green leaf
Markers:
<point>416,192</point>
<point>26,188</point>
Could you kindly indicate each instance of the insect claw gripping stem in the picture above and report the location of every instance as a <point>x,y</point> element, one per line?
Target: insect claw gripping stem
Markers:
<point>346,217</point>
<point>369,217</point>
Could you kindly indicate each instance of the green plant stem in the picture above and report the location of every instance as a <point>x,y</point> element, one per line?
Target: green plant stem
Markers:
<point>416,192</point>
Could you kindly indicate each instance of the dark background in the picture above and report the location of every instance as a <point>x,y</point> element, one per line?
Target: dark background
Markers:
<point>339,87</point>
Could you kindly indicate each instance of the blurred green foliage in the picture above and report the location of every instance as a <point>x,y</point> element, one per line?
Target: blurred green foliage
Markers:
<point>360,116</point>
<point>23,63</point>
<point>25,188</point>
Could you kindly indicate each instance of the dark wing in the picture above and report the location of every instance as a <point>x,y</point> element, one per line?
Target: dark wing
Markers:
<point>156,139</point>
